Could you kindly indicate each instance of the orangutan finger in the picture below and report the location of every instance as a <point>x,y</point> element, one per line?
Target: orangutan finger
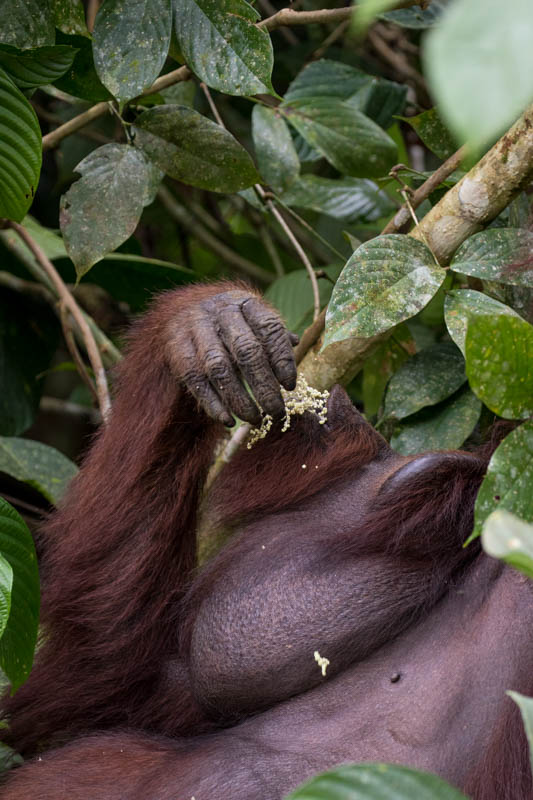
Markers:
<point>272,333</point>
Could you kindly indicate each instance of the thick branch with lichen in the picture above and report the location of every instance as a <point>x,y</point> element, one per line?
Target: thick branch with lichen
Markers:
<point>466,208</point>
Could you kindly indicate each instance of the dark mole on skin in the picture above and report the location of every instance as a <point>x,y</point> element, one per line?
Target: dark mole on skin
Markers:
<point>395,677</point>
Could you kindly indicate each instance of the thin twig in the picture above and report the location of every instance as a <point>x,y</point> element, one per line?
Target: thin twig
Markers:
<point>400,222</point>
<point>92,10</point>
<point>68,335</point>
<point>163,82</point>
<point>270,247</point>
<point>396,59</point>
<point>69,301</point>
<point>336,34</point>
<point>287,34</point>
<point>287,16</point>
<point>297,246</point>
<point>212,106</point>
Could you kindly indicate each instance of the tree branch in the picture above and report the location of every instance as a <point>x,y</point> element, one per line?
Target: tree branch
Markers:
<point>289,17</point>
<point>402,219</point>
<point>67,299</point>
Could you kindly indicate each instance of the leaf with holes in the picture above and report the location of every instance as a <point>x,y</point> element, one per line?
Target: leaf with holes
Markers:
<point>38,67</point>
<point>509,538</point>
<point>497,254</point>
<point>130,44</point>
<point>20,151</point>
<point>376,782</point>
<point>38,465</point>
<point>276,157</point>
<point>442,427</point>
<point>387,280</point>
<point>192,149</point>
<point>425,379</point>
<point>222,44</point>
<point>115,185</point>
<point>462,305</point>
<point>348,139</point>
<point>499,363</point>
<point>354,200</point>
<point>26,23</point>
<point>507,484</point>
<point>17,644</point>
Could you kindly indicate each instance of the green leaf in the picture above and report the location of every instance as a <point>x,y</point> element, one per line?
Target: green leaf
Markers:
<point>38,465</point>
<point>376,782</point>
<point>525,705</point>
<point>292,295</point>
<point>69,16</point>
<point>382,363</point>
<point>387,280</point>
<point>9,758</point>
<point>130,44</point>
<point>348,139</point>
<point>425,379</point>
<point>20,151</point>
<point>26,23</point>
<point>368,10</point>
<point>356,200</point>
<point>509,538</point>
<point>81,79</point>
<point>29,334</point>
<point>223,46</point>
<point>479,62</point>
<point>116,184</point>
<point>51,243</point>
<point>415,18</point>
<point>37,67</point>
<point>192,149</point>
<point>17,644</point>
<point>276,157</point>
<point>433,132</point>
<point>497,254</point>
<point>507,484</point>
<point>462,305</point>
<point>499,363</point>
<point>442,427</point>
<point>6,584</point>
<point>379,99</point>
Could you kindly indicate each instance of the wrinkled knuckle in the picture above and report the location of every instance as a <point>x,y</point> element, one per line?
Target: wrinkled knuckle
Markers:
<point>246,350</point>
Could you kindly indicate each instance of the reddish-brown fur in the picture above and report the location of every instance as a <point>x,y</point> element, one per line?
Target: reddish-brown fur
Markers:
<point>121,598</point>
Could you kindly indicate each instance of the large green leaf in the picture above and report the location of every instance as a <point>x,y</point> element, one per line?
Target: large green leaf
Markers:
<point>499,363</point>
<point>425,379</point>
<point>348,139</point>
<point>498,254</point>
<point>130,44</point>
<point>192,149</point>
<point>20,151</point>
<point>462,305</point>
<point>442,427</point>
<point>379,99</point>
<point>221,43</point>
<point>376,782</point>
<point>116,183</point>
<point>507,537</point>
<point>26,23</point>
<point>433,132</point>
<point>416,18</point>
<point>69,16</point>
<point>386,281</point>
<point>29,334</point>
<point>81,80</point>
<point>479,62</point>
<point>274,149</point>
<point>6,584</point>
<point>37,464</point>
<point>17,644</point>
<point>37,67</point>
<point>525,705</point>
<point>509,478</point>
<point>355,200</point>
<point>382,364</point>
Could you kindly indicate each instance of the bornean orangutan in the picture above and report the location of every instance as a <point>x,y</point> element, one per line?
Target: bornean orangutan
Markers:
<point>160,681</point>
